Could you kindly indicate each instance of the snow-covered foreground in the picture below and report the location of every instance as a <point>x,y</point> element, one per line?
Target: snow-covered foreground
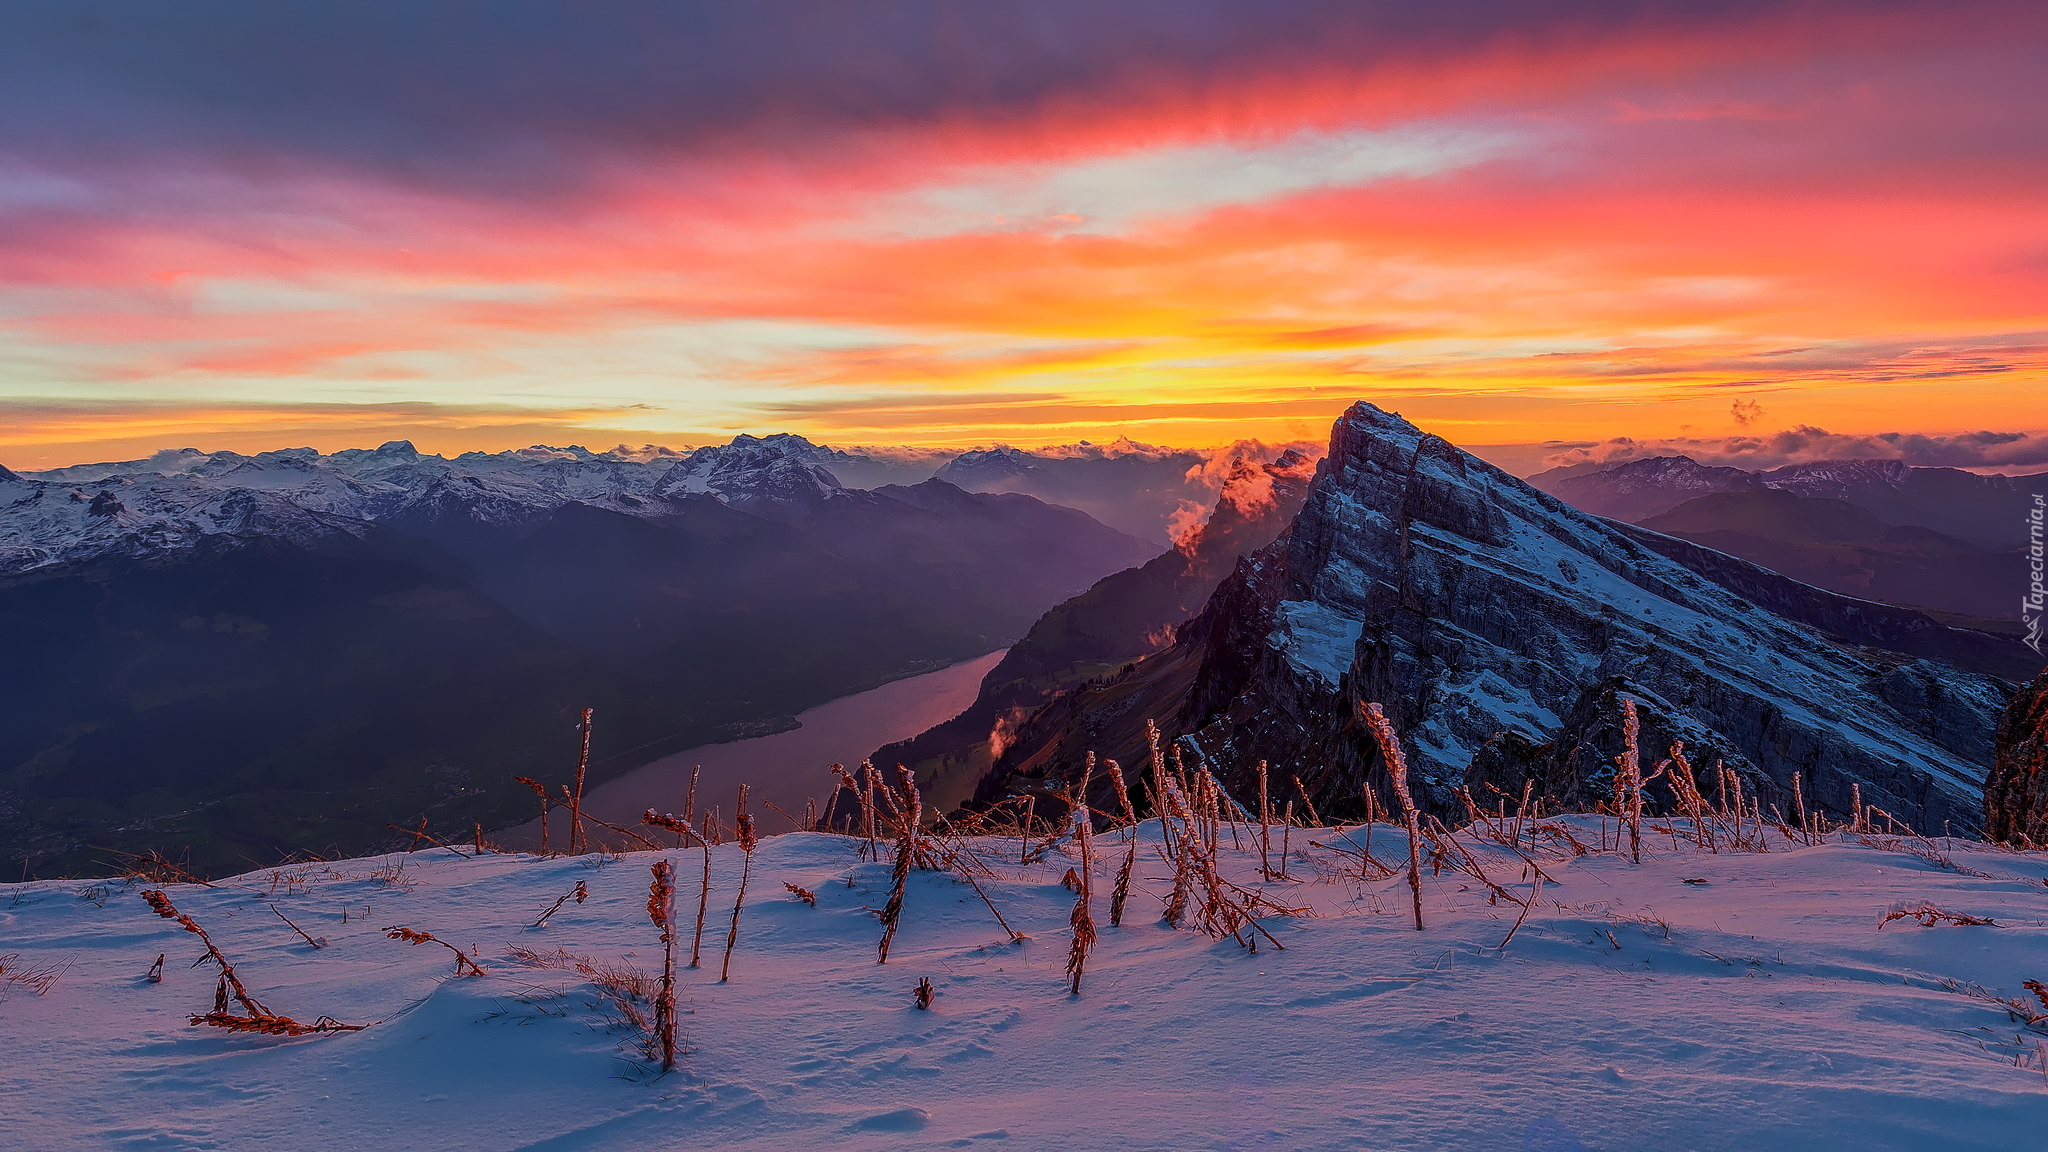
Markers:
<point>1694,1001</point>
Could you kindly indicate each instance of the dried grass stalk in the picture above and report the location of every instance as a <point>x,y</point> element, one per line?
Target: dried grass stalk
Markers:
<point>1397,771</point>
<point>1929,916</point>
<point>320,943</point>
<point>420,833</point>
<point>624,988</point>
<point>1315,819</point>
<point>40,978</point>
<point>541,792</point>
<point>1628,780</point>
<point>906,850</point>
<point>255,1017</point>
<point>1201,895</point>
<point>963,860</point>
<point>577,844</point>
<point>661,909</point>
<point>464,966</point>
<point>1799,807</point>
<point>747,842</point>
<point>1265,826</point>
<point>579,894</point>
<point>683,827</point>
<point>1083,918</point>
<point>1286,837</point>
<point>1123,794</point>
<point>1122,891</point>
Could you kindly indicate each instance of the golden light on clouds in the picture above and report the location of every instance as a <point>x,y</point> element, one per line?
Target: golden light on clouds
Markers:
<point>1628,232</point>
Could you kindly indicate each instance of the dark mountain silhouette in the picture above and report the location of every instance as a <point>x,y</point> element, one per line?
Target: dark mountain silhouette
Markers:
<point>1640,488</point>
<point>1846,548</point>
<point>1987,511</point>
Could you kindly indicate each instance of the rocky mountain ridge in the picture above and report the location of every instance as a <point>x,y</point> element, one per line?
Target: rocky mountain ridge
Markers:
<point>1499,626</point>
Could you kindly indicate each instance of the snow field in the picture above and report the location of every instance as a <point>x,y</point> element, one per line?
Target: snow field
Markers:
<point>1696,1001</point>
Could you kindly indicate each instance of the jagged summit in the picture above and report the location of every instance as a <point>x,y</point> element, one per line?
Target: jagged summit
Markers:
<point>1492,620</point>
<point>778,467</point>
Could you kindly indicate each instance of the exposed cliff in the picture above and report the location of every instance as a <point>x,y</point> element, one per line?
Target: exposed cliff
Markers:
<point>2016,796</point>
<point>1499,625</point>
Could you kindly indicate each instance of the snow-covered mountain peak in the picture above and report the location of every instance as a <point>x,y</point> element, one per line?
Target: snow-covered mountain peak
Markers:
<point>778,467</point>
<point>1830,478</point>
<point>1675,472</point>
<point>1002,463</point>
<point>176,498</point>
<point>1493,620</point>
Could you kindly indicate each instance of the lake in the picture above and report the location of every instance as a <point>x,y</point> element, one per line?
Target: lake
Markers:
<point>785,768</point>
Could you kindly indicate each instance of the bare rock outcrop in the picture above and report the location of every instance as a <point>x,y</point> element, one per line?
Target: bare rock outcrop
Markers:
<point>1500,627</point>
<point>2016,795</point>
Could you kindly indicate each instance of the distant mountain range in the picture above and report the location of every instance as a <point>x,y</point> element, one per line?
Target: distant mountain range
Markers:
<point>1501,628</point>
<point>238,656</point>
<point>243,655</point>
<point>1934,538</point>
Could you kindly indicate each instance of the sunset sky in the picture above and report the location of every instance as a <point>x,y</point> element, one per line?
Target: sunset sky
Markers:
<point>484,225</point>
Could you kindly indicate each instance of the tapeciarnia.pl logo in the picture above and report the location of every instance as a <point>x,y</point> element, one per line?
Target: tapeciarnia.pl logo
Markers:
<point>2031,605</point>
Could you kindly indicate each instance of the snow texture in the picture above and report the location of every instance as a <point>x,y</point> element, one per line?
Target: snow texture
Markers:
<point>1475,604</point>
<point>174,499</point>
<point>1733,1001</point>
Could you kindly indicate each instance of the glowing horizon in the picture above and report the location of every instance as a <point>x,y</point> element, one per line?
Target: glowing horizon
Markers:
<point>1688,223</point>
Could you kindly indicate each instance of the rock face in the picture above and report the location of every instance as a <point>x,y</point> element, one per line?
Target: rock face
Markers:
<point>2016,796</point>
<point>1500,626</point>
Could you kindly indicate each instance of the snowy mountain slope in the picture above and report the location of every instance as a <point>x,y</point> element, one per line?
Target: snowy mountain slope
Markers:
<point>1490,617</point>
<point>175,497</point>
<point>169,501</point>
<point>1737,1001</point>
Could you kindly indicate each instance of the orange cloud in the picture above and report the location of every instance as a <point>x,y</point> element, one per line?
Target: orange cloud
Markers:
<point>1574,232</point>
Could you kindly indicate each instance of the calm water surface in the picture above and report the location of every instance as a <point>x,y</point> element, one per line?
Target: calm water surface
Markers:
<point>786,768</point>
